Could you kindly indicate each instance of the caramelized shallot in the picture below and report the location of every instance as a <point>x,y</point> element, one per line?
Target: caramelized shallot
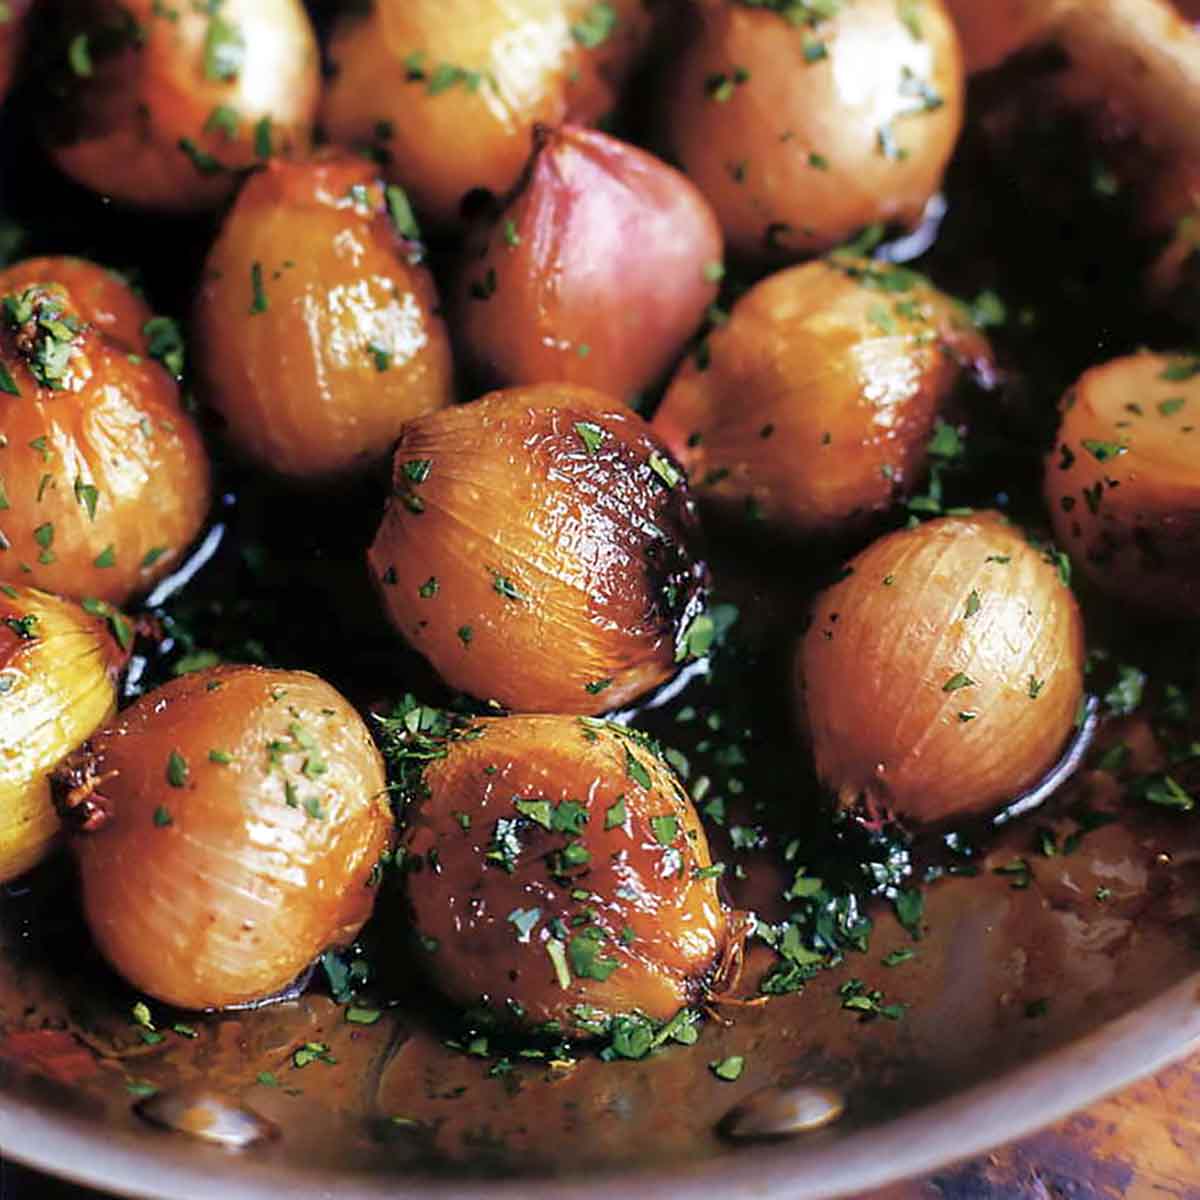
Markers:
<point>943,674</point>
<point>448,92</point>
<point>804,123</point>
<point>227,828</point>
<point>161,106</point>
<point>809,412</point>
<point>1123,481</point>
<point>317,323</point>
<point>58,683</point>
<point>540,549</point>
<point>558,872</point>
<point>105,477</point>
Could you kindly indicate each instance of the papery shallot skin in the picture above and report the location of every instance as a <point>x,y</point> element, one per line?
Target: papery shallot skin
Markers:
<point>596,272</point>
<point>226,828</point>
<point>541,549</point>
<point>318,327</point>
<point>448,92</point>
<point>557,872</point>
<point>801,133</point>
<point>162,106</point>
<point>943,675</point>
<point>106,478</point>
<point>1122,482</point>
<point>809,411</point>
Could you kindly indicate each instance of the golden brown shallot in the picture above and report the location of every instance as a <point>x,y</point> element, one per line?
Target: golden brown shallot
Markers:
<point>58,672</point>
<point>810,410</point>
<point>802,131</point>
<point>226,827</point>
<point>1123,480</point>
<point>105,477</point>
<point>163,104</point>
<point>317,324</point>
<point>540,549</point>
<point>943,674</point>
<point>558,872</point>
<point>448,92</point>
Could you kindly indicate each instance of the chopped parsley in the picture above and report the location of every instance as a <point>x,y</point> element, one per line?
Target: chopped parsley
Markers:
<point>636,770</point>
<point>1103,451</point>
<point>177,770</point>
<point>401,213</point>
<point>596,26</point>
<point>957,682</point>
<point>312,1052</point>
<point>258,301</point>
<point>591,435</point>
<point>505,587</point>
<point>224,49</point>
<point>868,1002</point>
<point>586,961</point>
<point>204,162</point>
<point>48,334</point>
<point>728,1069</point>
<point>616,815</point>
<point>665,829</point>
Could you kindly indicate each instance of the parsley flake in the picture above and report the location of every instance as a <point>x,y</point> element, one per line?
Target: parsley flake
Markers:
<point>596,26</point>
<point>728,1069</point>
<point>958,681</point>
<point>177,770</point>
<point>258,302</point>
<point>665,829</point>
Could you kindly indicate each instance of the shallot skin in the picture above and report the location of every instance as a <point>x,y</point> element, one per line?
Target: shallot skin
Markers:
<point>318,331</point>
<point>540,549</point>
<point>802,133</point>
<point>596,272</point>
<point>943,674</point>
<point>106,476</point>
<point>613,863</point>
<point>448,92</point>
<point>227,827</point>
<point>1122,482</point>
<point>177,99</point>
<point>808,413</point>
